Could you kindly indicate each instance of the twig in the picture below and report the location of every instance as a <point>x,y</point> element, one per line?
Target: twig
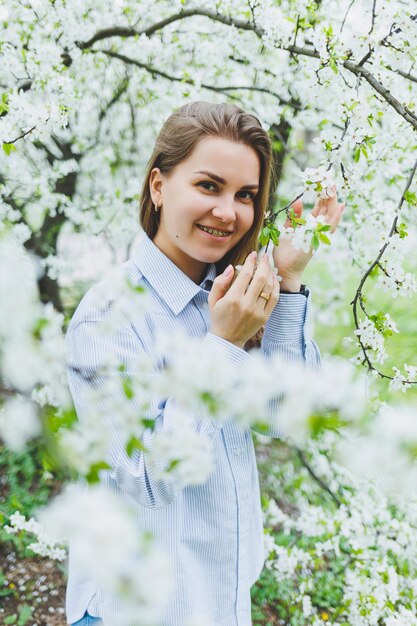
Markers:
<point>373,17</point>
<point>346,14</point>
<point>358,299</point>
<point>318,480</point>
<point>189,81</point>
<point>21,136</point>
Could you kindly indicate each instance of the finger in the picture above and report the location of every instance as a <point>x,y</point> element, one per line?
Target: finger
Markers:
<point>244,276</point>
<point>273,298</point>
<point>297,206</point>
<point>220,286</point>
<point>326,206</point>
<point>336,217</point>
<point>262,273</point>
<point>267,290</point>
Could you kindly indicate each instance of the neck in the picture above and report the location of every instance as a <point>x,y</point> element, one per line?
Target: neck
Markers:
<point>195,270</point>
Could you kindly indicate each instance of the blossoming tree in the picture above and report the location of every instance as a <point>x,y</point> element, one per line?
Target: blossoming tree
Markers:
<point>85,87</point>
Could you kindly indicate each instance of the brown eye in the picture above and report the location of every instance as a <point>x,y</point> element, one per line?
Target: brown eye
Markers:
<point>251,196</point>
<point>207,182</point>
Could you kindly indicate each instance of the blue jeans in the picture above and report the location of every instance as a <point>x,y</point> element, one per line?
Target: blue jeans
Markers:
<point>88,620</point>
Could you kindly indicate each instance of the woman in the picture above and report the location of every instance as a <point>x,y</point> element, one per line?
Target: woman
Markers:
<point>203,200</point>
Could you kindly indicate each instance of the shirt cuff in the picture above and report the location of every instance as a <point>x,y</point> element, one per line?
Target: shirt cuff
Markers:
<point>288,320</point>
<point>235,356</point>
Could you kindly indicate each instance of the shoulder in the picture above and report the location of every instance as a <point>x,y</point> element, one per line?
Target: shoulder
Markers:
<point>121,290</point>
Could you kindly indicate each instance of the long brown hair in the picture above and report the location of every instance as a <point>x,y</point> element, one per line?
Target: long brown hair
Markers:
<point>175,142</point>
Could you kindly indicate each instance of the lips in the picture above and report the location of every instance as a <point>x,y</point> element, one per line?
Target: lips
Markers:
<point>217,232</point>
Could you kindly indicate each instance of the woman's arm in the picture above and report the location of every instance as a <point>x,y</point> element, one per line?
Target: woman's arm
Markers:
<point>95,385</point>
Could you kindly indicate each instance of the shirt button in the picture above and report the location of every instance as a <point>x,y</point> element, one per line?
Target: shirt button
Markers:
<point>205,306</point>
<point>237,451</point>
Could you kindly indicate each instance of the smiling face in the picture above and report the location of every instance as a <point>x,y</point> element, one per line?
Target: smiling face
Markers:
<point>211,191</point>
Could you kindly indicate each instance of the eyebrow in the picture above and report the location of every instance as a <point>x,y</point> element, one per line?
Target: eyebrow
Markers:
<point>222,181</point>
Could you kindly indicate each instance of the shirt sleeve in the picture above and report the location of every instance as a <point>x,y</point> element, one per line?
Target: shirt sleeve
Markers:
<point>95,386</point>
<point>288,333</point>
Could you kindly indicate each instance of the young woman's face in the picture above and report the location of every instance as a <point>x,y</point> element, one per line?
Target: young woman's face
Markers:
<point>213,189</point>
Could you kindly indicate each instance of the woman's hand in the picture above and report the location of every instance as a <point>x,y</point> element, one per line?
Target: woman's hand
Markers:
<point>238,310</point>
<point>290,262</point>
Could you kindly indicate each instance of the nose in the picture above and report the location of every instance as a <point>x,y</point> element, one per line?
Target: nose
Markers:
<point>225,211</point>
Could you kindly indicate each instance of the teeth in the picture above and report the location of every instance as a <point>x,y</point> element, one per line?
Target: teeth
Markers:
<point>213,231</point>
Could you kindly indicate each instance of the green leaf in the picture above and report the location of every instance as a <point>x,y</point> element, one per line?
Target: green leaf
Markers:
<point>135,443</point>
<point>315,242</point>
<point>127,388</point>
<point>40,324</point>
<point>8,148</point>
<point>324,238</point>
<point>172,465</point>
<point>10,619</point>
<point>275,235</point>
<point>402,230</point>
<point>57,419</point>
<point>93,474</point>
<point>263,239</point>
<point>411,197</point>
<point>379,319</point>
<point>261,427</point>
<point>357,154</point>
<point>333,65</point>
<point>210,401</point>
<point>4,103</point>
<point>277,146</point>
<point>25,614</point>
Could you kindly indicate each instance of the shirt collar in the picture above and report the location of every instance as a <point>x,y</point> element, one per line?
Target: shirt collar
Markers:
<point>170,283</point>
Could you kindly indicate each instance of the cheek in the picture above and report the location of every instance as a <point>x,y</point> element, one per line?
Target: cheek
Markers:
<point>249,219</point>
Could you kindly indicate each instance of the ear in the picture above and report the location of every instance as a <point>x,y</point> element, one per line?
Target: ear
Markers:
<point>155,185</point>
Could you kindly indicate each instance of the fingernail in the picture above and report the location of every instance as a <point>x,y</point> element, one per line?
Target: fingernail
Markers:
<point>228,271</point>
<point>253,255</point>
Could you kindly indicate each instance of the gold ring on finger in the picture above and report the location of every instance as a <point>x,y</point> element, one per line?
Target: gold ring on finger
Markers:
<point>264,295</point>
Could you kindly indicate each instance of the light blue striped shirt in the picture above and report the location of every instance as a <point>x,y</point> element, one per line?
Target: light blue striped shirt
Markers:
<point>213,532</point>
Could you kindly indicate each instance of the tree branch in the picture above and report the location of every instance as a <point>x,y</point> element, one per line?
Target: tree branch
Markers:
<point>119,31</point>
<point>358,299</point>
<point>355,68</point>
<point>318,480</point>
<point>407,75</point>
<point>156,72</point>
<point>409,117</point>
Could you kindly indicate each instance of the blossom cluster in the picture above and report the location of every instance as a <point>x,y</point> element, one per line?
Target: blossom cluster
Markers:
<point>356,562</point>
<point>320,180</point>
<point>125,569</point>
<point>44,545</point>
<point>308,232</point>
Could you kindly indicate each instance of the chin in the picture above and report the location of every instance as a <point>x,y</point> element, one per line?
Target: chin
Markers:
<point>211,256</point>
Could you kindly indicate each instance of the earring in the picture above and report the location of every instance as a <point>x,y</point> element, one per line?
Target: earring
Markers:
<point>156,208</point>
